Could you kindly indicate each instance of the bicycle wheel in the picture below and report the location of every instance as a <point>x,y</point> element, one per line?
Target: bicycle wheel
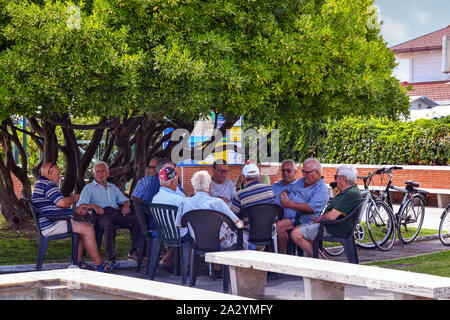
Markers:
<point>444,226</point>
<point>362,237</point>
<point>410,218</point>
<point>381,225</point>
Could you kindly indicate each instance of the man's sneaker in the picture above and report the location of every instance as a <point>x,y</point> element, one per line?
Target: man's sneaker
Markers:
<point>133,256</point>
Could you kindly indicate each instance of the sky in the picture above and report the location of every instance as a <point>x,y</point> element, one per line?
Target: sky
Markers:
<point>405,20</point>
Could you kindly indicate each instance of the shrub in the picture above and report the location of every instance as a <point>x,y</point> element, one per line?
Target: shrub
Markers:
<point>371,141</point>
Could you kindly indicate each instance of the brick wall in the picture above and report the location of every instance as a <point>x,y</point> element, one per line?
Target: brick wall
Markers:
<point>17,185</point>
<point>429,177</point>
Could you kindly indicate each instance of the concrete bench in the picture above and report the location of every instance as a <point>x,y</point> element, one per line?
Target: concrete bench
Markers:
<point>324,279</point>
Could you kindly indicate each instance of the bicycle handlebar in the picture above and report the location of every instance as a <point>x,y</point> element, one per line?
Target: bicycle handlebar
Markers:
<point>387,170</point>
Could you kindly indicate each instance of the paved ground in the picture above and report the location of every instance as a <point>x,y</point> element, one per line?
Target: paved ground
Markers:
<point>286,287</point>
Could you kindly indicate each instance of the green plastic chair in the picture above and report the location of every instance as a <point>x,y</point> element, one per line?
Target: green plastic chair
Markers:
<point>168,234</point>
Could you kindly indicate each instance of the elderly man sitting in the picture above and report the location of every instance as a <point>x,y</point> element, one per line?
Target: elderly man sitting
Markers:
<point>347,199</point>
<point>168,195</point>
<point>105,198</point>
<point>201,181</point>
<point>47,197</point>
<point>253,193</point>
<point>308,196</point>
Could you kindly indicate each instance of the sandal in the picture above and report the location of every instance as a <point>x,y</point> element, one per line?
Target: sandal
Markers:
<point>106,266</point>
<point>83,265</point>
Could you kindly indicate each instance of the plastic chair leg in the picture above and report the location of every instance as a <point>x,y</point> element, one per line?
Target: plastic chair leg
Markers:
<point>176,260</point>
<point>140,257</point>
<point>194,265</point>
<point>184,252</point>
<point>43,243</point>
<point>154,259</point>
<point>74,248</point>
<point>149,253</point>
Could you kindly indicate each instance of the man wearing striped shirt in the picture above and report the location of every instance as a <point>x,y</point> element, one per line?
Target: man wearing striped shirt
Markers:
<point>253,193</point>
<point>47,197</point>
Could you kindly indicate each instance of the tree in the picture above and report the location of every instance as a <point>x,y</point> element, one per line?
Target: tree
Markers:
<point>141,67</point>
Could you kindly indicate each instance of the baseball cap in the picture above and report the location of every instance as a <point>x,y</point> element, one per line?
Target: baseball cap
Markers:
<point>167,173</point>
<point>250,169</point>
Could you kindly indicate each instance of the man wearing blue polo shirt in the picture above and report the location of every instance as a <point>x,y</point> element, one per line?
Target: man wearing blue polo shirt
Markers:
<point>308,196</point>
<point>148,186</point>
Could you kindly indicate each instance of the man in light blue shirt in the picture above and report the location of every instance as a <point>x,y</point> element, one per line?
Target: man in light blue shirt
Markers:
<point>308,197</point>
<point>201,181</point>
<point>169,195</point>
<point>105,198</point>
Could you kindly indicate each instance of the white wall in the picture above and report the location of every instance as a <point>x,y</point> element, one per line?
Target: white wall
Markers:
<point>427,66</point>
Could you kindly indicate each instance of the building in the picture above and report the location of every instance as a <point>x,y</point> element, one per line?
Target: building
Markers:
<point>429,73</point>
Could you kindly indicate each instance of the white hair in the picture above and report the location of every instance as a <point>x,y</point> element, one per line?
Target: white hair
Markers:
<point>100,163</point>
<point>201,181</point>
<point>294,165</point>
<point>348,171</point>
<point>316,164</point>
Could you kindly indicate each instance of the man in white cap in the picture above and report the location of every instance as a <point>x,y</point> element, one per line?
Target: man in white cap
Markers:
<point>253,193</point>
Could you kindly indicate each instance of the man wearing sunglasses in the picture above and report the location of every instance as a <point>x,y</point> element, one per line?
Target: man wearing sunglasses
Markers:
<point>308,197</point>
<point>347,199</point>
<point>147,186</point>
<point>221,186</point>
<point>288,179</point>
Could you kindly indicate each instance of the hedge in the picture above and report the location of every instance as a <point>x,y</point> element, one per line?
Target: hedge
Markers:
<point>371,141</point>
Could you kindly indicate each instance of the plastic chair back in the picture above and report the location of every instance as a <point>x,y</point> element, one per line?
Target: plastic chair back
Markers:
<point>206,225</point>
<point>261,219</point>
<point>164,216</point>
<point>348,242</point>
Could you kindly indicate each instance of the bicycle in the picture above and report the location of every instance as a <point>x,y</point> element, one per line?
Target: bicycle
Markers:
<point>408,219</point>
<point>444,226</point>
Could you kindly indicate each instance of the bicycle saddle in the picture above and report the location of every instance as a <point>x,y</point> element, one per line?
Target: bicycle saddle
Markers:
<point>412,183</point>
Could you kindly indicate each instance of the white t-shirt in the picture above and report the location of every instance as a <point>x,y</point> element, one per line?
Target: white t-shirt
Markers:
<point>226,190</point>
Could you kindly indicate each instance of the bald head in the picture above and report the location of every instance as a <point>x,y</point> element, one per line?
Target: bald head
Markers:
<point>50,170</point>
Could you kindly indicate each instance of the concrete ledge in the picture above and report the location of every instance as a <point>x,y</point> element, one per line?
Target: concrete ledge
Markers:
<point>329,276</point>
<point>59,284</point>
<point>125,264</point>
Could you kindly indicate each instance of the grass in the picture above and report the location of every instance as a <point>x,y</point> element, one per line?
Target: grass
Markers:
<point>435,263</point>
<point>21,248</point>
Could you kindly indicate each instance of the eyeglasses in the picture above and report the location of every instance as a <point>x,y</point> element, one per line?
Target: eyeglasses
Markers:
<point>287,170</point>
<point>151,167</point>
<point>303,171</point>
<point>337,175</point>
<point>223,171</point>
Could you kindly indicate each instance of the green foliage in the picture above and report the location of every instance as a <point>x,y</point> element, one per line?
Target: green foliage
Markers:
<point>267,60</point>
<point>371,141</point>
<point>64,61</point>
